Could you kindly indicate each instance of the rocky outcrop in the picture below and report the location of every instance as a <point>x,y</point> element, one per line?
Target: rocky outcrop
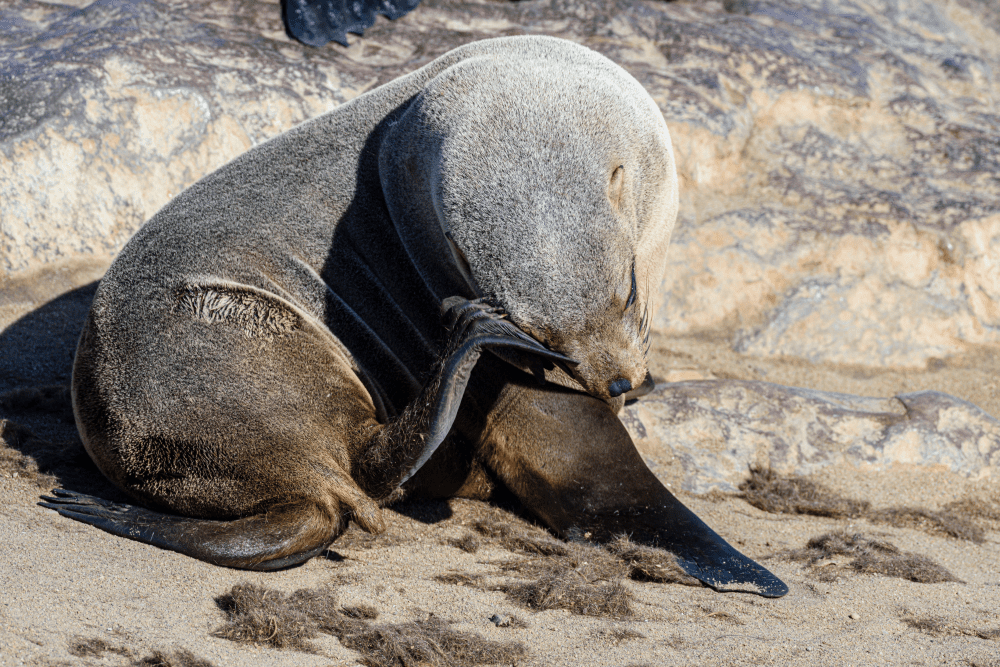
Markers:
<point>838,159</point>
<point>714,430</point>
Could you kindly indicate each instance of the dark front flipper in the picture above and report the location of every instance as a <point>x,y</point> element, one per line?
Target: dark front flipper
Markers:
<point>284,536</point>
<point>570,461</point>
<point>316,22</point>
<point>403,446</point>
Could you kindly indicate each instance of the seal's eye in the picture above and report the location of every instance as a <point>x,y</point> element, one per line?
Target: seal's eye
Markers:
<point>631,295</point>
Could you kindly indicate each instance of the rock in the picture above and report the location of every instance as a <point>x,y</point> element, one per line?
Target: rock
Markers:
<point>838,161</point>
<point>716,428</point>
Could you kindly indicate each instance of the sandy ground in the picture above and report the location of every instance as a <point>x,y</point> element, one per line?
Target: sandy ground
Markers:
<point>74,595</point>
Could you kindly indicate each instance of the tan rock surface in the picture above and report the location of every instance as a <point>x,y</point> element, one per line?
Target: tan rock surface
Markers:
<point>716,429</point>
<point>838,160</point>
<point>839,232</point>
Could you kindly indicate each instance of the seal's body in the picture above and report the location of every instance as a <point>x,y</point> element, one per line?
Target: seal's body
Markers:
<point>265,359</point>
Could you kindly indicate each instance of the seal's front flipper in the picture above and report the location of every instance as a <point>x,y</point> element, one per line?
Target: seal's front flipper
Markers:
<point>570,461</point>
<point>279,538</point>
<point>400,449</point>
<point>316,22</point>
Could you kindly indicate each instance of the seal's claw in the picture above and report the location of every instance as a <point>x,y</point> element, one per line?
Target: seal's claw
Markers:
<point>483,325</point>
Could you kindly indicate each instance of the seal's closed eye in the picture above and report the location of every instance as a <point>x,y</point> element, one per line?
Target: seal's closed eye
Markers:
<point>631,295</point>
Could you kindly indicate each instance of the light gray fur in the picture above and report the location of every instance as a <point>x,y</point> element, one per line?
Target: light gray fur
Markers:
<point>258,329</point>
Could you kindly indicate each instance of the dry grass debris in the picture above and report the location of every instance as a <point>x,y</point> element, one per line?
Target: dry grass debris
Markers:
<point>866,556</point>
<point>468,543</point>
<point>179,658</point>
<point>581,577</point>
<point>264,616</point>
<point>616,636</point>
<point>939,627</point>
<point>571,589</point>
<point>462,579</point>
<point>779,494</point>
<point>96,648</point>
<point>15,440</point>
<point>650,564</point>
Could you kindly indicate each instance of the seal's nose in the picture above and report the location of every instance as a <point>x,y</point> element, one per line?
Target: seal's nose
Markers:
<point>619,387</point>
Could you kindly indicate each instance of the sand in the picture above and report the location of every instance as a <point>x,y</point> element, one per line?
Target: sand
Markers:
<point>74,595</point>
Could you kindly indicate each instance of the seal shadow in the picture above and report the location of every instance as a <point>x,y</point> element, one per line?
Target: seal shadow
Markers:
<point>36,413</point>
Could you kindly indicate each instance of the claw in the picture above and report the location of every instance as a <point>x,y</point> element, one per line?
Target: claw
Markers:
<point>479,323</point>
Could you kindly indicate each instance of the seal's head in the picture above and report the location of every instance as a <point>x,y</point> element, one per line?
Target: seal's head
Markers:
<point>552,176</point>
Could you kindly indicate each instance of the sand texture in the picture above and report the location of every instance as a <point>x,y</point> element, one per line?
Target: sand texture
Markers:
<point>826,349</point>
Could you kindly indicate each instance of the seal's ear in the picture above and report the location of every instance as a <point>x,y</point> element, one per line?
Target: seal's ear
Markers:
<point>616,187</point>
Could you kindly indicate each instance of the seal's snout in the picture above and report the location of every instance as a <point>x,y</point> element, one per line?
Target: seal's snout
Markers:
<point>618,387</point>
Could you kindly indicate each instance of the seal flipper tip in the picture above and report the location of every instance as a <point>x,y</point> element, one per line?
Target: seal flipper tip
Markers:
<point>706,556</point>
<point>726,570</point>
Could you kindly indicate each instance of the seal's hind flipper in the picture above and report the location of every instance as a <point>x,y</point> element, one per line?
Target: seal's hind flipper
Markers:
<point>569,461</point>
<point>282,537</point>
<point>700,551</point>
<point>316,22</point>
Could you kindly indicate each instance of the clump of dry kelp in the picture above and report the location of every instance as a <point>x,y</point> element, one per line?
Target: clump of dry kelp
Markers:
<point>790,494</point>
<point>265,616</point>
<point>867,556</point>
<point>581,577</point>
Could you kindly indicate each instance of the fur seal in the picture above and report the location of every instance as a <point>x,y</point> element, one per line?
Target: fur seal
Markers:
<point>266,360</point>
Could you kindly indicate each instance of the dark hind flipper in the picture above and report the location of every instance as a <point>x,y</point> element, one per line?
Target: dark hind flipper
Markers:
<point>406,444</point>
<point>570,461</point>
<point>282,537</point>
<point>316,22</point>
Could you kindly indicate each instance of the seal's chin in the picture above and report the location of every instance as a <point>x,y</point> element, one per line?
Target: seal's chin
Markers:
<point>616,404</point>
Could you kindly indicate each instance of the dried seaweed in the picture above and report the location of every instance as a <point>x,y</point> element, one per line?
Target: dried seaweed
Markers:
<point>462,579</point>
<point>771,492</point>
<point>468,543</point>
<point>259,615</point>
<point>14,439</point>
<point>519,539</point>
<point>978,508</point>
<point>264,616</point>
<point>178,658</point>
<point>650,564</point>
<point>565,588</point>
<point>581,577</point>
<point>360,611</point>
<point>869,556</point>
<point>939,627</point>
<point>616,636</point>
<point>96,648</point>
<point>944,522</point>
